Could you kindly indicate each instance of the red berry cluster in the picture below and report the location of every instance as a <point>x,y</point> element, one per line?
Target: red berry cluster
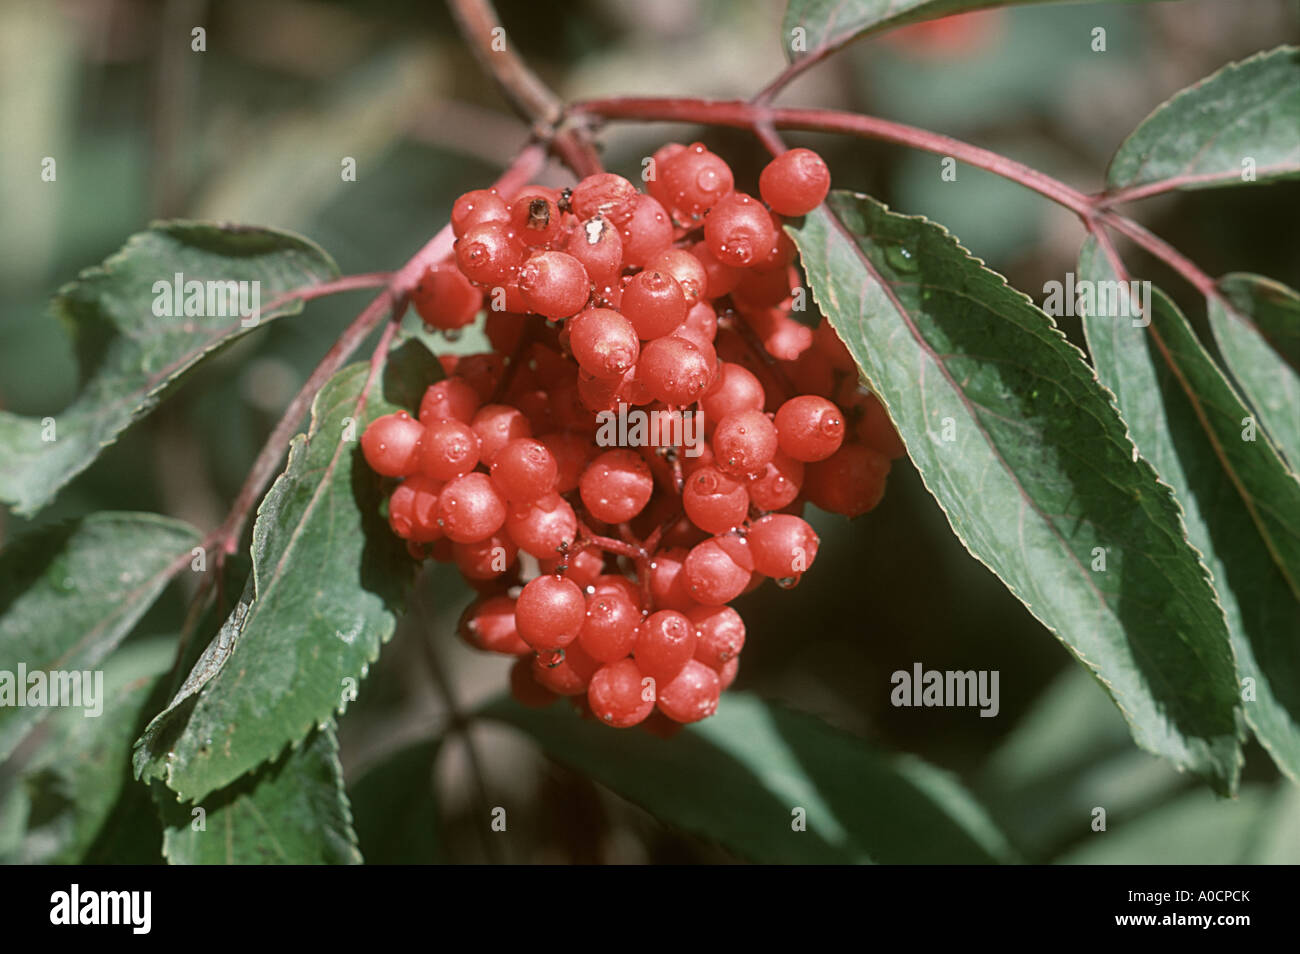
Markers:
<point>677,301</point>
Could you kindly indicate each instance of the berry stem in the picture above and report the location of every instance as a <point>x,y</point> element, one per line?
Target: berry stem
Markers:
<point>633,551</point>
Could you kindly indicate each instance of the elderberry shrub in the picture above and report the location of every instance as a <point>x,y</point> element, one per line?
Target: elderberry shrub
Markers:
<point>676,300</point>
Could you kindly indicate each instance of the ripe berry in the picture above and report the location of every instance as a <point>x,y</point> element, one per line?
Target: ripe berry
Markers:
<point>610,630</point>
<point>543,527</point>
<point>783,545</point>
<point>646,232</point>
<point>489,253</point>
<point>497,425</point>
<point>451,448</point>
<point>488,623</point>
<point>571,452</point>
<point>728,672</point>
<point>617,583</point>
<point>616,486</point>
<point>850,482</point>
<point>604,194</point>
<point>736,389</point>
<point>550,612</point>
<point>485,559</point>
<point>721,279</point>
<point>482,372</point>
<point>565,672</point>
<point>809,428</point>
<point>779,483</point>
<point>596,244</point>
<point>739,230</point>
<point>392,443</point>
<point>469,508</point>
<point>744,442</point>
<point>674,370</point>
<point>877,431</point>
<point>667,583</point>
<point>795,182</point>
<point>583,567</point>
<point>828,341</point>
<point>603,342</point>
<point>524,470</point>
<point>720,634</point>
<point>692,182</point>
<point>664,644</point>
<point>619,695</point>
<point>655,304</point>
<point>445,299</point>
<point>553,284</point>
<point>413,509</point>
<point>714,501</point>
<point>692,695</point>
<point>450,398</point>
<point>718,570</point>
<point>686,268</point>
<point>476,207</point>
<point>535,217</point>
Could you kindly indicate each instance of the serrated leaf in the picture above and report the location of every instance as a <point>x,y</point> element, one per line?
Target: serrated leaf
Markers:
<point>1209,472</point>
<point>328,580</point>
<point>1027,457</point>
<point>740,775</point>
<point>128,355</point>
<point>1263,357</point>
<point>830,24</point>
<point>70,593</point>
<point>80,775</point>
<point>290,812</point>
<point>1203,136</point>
<point>395,808</point>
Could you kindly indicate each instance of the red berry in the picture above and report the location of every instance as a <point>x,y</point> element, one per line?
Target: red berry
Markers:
<point>736,389</point>
<point>692,695</point>
<point>451,448</point>
<point>543,527</point>
<point>620,695</point>
<point>554,284</point>
<point>450,398</point>
<point>475,207</point>
<point>413,509</point>
<point>550,612</point>
<point>828,341</point>
<point>686,268</point>
<point>445,299</point>
<point>722,279</point>
<point>571,452</point>
<point>714,501</point>
<point>718,570</point>
<point>497,425</point>
<point>692,181</point>
<point>850,482</point>
<point>675,370</point>
<point>728,672</point>
<point>489,253</point>
<point>877,431</point>
<point>779,483</point>
<point>566,672</point>
<point>809,428</point>
<point>646,232</point>
<point>535,217</point>
<point>610,630</point>
<point>739,230</point>
<point>653,174</point>
<point>795,182</point>
<point>482,372</point>
<point>603,342</point>
<point>470,509</point>
<point>392,444</point>
<point>524,470</point>
<point>596,244</point>
<point>489,624</point>
<point>654,302</point>
<point>783,545</point>
<point>720,634</point>
<point>616,486</point>
<point>485,559</point>
<point>667,582</point>
<point>664,644</point>
<point>604,194</point>
<point>744,442</point>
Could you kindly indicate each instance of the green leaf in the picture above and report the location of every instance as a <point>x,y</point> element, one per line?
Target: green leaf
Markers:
<point>69,593</point>
<point>290,812</point>
<point>830,24</point>
<point>1027,457</point>
<point>328,581</point>
<point>396,809</point>
<point>1261,826</point>
<point>1210,471</point>
<point>82,772</point>
<point>128,355</point>
<point>1203,136</point>
<point>744,771</point>
<point>1263,357</point>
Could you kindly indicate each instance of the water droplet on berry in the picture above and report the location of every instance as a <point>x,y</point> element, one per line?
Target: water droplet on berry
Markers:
<point>786,582</point>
